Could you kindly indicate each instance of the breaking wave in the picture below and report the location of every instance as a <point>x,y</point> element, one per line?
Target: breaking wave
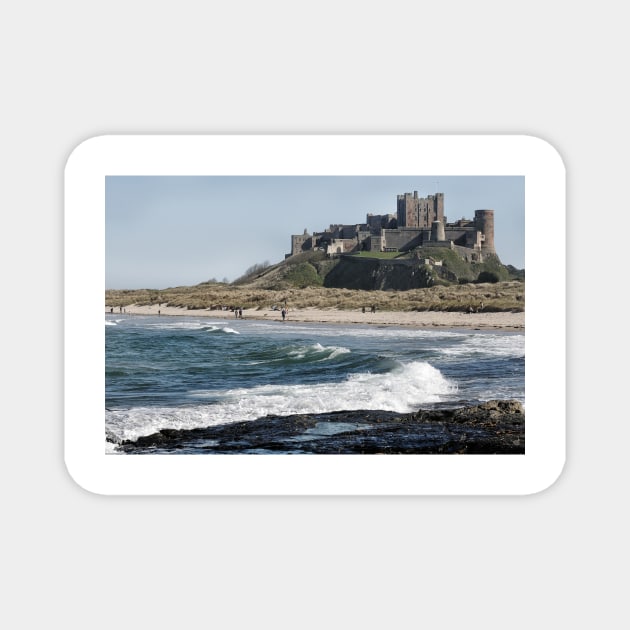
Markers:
<point>402,389</point>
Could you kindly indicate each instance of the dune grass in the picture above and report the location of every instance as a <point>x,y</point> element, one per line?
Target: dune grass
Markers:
<point>490,297</point>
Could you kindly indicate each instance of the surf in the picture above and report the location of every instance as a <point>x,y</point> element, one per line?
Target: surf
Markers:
<point>403,389</point>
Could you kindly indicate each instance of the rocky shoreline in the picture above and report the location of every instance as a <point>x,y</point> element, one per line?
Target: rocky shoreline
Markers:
<point>493,427</point>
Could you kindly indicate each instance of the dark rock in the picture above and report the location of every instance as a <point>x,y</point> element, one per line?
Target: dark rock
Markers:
<point>494,427</point>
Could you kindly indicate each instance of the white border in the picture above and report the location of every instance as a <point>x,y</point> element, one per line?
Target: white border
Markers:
<point>545,344</point>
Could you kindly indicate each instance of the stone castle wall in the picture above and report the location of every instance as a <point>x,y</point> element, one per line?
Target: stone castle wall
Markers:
<point>420,222</point>
<point>419,212</point>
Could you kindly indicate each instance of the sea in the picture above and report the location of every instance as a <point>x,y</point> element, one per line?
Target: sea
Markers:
<point>166,372</point>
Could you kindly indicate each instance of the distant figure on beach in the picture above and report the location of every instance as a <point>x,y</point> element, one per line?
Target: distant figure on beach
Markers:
<point>373,308</point>
<point>240,313</point>
<point>363,310</point>
<point>284,313</point>
<point>111,310</point>
<point>159,312</point>
<point>121,309</point>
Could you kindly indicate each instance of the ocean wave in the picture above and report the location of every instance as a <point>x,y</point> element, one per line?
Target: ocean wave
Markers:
<point>317,352</point>
<point>472,345</point>
<point>368,331</point>
<point>297,354</point>
<point>336,352</point>
<point>193,325</point>
<point>113,322</point>
<point>220,329</point>
<point>403,389</point>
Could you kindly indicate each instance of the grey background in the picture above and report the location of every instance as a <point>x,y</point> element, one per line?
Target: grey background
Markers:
<point>73,70</point>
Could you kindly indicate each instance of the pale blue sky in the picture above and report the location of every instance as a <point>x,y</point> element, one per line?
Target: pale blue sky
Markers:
<point>172,231</point>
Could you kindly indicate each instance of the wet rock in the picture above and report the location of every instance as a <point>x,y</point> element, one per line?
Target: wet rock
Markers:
<point>494,427</point>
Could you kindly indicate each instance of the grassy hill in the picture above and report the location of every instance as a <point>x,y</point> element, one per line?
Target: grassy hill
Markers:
<point>378,270</point>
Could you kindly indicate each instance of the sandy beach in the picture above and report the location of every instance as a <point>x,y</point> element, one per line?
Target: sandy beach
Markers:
<point>508,321</point>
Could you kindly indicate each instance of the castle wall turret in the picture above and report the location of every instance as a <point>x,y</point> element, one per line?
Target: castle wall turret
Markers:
<point>437,231</point>
<point>484,222</point>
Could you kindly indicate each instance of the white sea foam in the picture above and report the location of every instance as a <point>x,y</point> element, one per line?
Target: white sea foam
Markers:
<point>336,352</point>
<point>360,331</point>
<point>488,346</point>
<point>168,324</point>
<point>207,326</point>
<point>318,352</point>
<point>401,390</point>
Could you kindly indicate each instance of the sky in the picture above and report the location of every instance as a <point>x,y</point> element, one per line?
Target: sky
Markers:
<point>163,232</point>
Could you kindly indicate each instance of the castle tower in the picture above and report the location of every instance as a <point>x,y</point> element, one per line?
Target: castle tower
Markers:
<point>419,212</point>
<point>438,204</point>
<point>437,231</point>
<point>484,222</point>
<point>301,242</point>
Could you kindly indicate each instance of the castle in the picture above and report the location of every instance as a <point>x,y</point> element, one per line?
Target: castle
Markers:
<point>419,222</point>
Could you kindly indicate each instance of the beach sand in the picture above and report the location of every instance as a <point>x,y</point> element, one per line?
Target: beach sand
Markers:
<point>418,319</point>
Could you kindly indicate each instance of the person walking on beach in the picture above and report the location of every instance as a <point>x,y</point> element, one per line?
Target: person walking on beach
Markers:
<point>284,313</point>
<point>240,313</point>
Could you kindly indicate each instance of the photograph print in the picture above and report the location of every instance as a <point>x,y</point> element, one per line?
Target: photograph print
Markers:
<point>306,315</point>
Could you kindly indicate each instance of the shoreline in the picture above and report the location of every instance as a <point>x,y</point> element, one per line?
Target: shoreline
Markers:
<point>503,320</point>
<point>493,427</point>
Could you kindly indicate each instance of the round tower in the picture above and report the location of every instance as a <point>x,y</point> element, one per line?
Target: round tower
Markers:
<point>437,231</point>
<point>484,222</point>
